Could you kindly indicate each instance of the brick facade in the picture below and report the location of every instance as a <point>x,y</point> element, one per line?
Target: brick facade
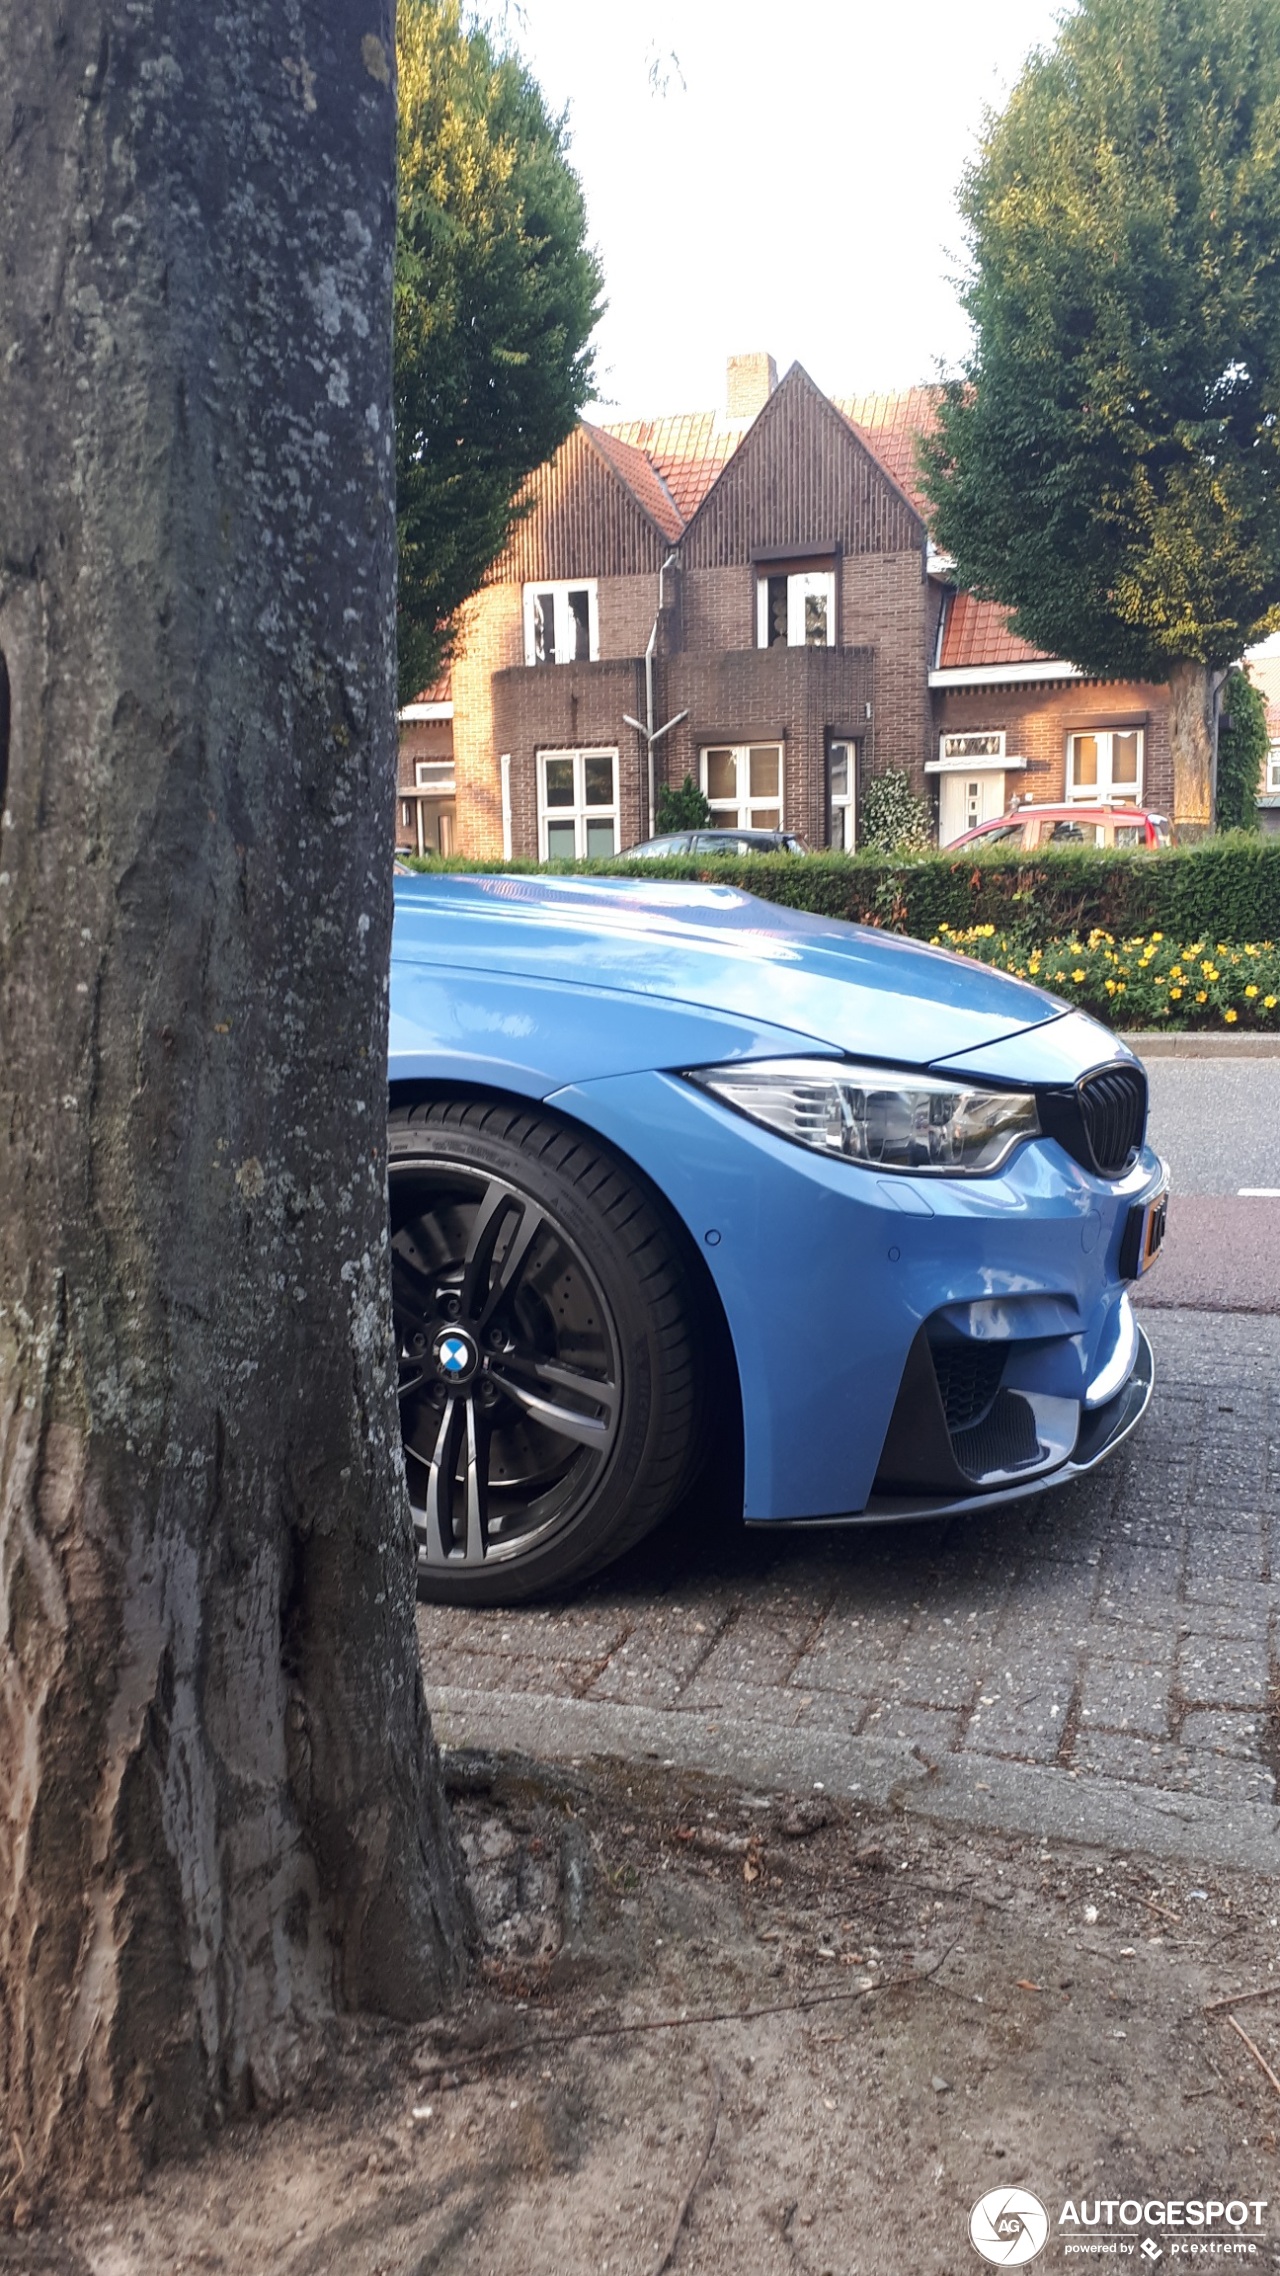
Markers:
<point>1038,719</point>
<point>699,511</point>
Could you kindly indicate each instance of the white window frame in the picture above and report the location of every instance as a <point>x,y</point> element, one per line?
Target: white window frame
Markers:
<point>1273,768</point>
<point>560,588</point>
<point>843,808</point>
<point>580,814</point>
<point>435,775</point>
<point>735,813</point>
<point>973,747</point>
<point>1103,792</point>
<point>800,583</point>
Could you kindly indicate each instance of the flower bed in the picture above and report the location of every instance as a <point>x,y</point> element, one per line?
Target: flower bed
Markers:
<point>1146,982</point>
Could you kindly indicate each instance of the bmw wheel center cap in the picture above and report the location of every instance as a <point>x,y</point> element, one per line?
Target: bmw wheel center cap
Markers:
<point>456,1357</point>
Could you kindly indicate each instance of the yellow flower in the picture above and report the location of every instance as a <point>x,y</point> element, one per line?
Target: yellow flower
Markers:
<point>1077,974</point>
<point>1269,1003</point>
<point>1174,994</point>
<point>1229,1017</point>
<point>1157,936</point>
<point>1201,996</point>
<point>1251,990</point>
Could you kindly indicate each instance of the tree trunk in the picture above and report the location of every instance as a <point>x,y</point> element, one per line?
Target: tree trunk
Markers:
<point>220,1814</point>
<point>1193,740</point>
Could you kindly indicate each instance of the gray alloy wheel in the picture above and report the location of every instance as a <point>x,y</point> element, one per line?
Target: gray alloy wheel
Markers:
<point>545,1341</point>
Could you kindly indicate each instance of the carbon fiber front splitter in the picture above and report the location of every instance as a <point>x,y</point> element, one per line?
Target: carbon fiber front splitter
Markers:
<point>1101,1431</point>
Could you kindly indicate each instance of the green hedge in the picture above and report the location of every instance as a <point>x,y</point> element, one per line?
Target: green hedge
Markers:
<point>1225,888</point>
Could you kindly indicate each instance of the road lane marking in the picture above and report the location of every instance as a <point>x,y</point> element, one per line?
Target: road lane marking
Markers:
<point>1258,1192</point>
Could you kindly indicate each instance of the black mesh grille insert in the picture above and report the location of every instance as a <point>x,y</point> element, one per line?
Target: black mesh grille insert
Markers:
<point>968,1379</point>
<point>1005,1439</point>
<point>1113,1108</point>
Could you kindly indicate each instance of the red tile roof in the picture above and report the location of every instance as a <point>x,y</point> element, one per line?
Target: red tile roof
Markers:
<point>642,477</point>
<point>688,449</point>
<point>441,690</point>
<point>889,424</point>
<point>977,632</point>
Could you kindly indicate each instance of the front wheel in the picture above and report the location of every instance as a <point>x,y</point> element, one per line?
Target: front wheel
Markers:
<point>546,1344</point>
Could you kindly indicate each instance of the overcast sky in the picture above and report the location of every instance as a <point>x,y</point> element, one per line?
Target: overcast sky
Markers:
<point>793,189</point>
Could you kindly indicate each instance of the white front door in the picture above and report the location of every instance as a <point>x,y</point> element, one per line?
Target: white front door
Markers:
<point>966,799</point>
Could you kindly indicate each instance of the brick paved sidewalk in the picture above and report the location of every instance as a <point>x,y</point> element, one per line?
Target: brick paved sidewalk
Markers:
<point>1101,1662</point>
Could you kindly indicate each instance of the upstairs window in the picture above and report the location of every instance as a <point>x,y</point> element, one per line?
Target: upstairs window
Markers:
<point>796,608</point>
<point>561,623</point>
<point>743,786</point>
<point>1273,767</point>
<point>1105,766</point>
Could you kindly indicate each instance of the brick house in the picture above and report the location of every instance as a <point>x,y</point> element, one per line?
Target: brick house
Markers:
<point>758,589</point>
<point>1012,722</point>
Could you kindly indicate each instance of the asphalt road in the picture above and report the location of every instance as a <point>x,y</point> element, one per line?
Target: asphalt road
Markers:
<point>1217,1123</point>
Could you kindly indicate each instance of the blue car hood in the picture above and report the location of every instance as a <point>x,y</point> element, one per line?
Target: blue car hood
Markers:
<point>713,947</point>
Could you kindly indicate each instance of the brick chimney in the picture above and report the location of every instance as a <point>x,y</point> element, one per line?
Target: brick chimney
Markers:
<point>751,381</point>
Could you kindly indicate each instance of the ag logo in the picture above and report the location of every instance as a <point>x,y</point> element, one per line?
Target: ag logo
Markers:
<point>1008,2227</point>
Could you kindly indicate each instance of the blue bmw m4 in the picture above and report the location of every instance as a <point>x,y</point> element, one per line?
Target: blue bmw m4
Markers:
<point>675,1173</point>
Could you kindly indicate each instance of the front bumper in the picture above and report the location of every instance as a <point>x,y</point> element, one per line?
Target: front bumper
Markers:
<point>1102,1430</point>
<point>828,1274</point>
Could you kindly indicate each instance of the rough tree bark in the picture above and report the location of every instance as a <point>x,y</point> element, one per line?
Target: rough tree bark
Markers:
<point>1193,743</point>
<point>219,1811</point>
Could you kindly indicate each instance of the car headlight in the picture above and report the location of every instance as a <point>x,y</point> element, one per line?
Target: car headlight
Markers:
<point>926,1125</point>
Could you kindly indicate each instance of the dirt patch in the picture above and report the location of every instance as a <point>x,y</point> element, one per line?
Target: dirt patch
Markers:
<point>719,2031</point>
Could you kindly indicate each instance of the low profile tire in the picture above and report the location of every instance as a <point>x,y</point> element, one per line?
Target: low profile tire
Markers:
<point>546,1337</point>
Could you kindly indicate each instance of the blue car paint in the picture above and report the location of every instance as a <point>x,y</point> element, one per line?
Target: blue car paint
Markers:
<point>824,1281</point>
<point>592,994</point>
<point>710,947</point>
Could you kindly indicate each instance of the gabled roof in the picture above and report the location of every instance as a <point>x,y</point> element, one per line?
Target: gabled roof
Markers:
<point>688,450</point>
<point>977,632</point>
<point>890,425</point>
<point>643,479</point>
<point>670,465</point>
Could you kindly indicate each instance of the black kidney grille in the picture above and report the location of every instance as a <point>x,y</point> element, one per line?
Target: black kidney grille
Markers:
<point>968,1379</point>
<point>1113,1109</point>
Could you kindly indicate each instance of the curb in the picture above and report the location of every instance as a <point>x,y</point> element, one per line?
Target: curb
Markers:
<point>976,1790</point>
<point>1158,1045</point>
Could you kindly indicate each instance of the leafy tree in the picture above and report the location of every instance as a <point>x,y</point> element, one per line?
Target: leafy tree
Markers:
<point>1108,465</point>
<point>1243,742</point>
<point>682,809</point>
<point>893,819</point>
<point>496,298</point>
